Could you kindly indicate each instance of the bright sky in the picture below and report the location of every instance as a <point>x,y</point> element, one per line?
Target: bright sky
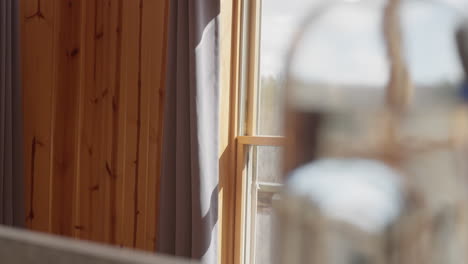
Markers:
<point>345,46</point>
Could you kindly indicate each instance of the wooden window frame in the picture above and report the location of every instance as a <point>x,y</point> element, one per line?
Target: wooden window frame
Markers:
<point>240,40</point>
<point>241,190</point>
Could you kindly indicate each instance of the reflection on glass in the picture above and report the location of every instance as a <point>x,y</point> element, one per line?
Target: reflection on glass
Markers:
<point>383,179</point>
<point>429,43</point>
<point>264,231</point>
<point>345,49</point>
<point>364,193</point>
<point>264,184</point>
<point>430,49</point>
<point>269,161</point>
<point>341,60</point>
<point>279,19</point>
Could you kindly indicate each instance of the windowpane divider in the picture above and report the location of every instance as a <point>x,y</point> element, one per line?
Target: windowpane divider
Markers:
<point>243,142</point>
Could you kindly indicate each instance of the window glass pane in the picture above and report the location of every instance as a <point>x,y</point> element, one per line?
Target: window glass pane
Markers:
<point>264,231</point>
<point>263,186</point>
<point>278,22</point>
<point>343,54</point>
<point>269,161</point>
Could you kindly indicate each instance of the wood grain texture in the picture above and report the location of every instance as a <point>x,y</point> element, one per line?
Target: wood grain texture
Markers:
<point>130,90</point>
<point>230,62</point>
<point>64,122</point>
<point>38,30</point>
<point>93,82</point>
<point>153,52</point>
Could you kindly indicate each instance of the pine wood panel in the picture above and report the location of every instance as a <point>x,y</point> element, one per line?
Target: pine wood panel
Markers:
<point>87,123</point>
<point>37,43</point>
<point>130,111</point>
<point>64,121</point>
<point>93,82</point>
<point>152,109</point>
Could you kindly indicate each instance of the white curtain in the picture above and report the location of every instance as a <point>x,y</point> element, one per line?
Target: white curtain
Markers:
<point>188,213</point>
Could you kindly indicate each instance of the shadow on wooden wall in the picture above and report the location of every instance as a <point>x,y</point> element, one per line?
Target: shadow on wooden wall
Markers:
<point>93,84</point>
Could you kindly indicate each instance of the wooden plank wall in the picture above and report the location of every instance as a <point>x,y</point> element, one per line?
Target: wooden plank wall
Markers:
<point>93,84</point>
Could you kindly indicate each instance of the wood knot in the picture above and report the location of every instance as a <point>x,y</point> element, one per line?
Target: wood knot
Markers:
<point>109,171</point>
<point>161,93</point>
<point>101,97</point>
<point>74,52</point>
<point>104,93</point>
<point>99,35</point>
<point>31,215</point>
<point>37,142</point>
<point>114,104</point>
<point>38,14</point>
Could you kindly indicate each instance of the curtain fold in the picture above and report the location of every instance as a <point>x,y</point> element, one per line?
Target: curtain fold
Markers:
<point>188,210</point>
<point>11,132</point>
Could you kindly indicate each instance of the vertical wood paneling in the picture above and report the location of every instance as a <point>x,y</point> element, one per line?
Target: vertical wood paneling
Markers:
<point>37,45</point>
<point>95,189</point>
<point>112,67</point>
<point>118,155</point>
<point>130,91</point>
<point>85,187</point>
<point>96,105</point>
<point>93,75</point>
<point>144,58</point>
<point>65,119</point>
<point>153,61</point>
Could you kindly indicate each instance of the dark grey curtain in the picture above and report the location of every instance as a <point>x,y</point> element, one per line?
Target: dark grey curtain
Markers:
<point>189,180</point>
<point>11,132</point>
